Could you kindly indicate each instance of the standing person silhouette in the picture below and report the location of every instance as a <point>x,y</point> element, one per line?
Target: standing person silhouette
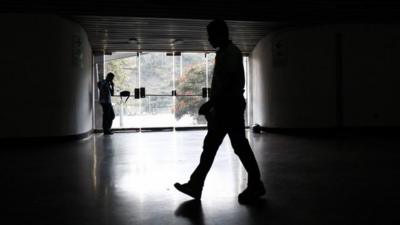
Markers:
<point>225,115</point>
<point>106,88</point>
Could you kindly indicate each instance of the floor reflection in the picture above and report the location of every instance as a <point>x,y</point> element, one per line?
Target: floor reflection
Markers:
<point>134,166</point>
<point>134,177</point>
<point>128,178</point>
<point>192,211</point>
<point>105,166</point>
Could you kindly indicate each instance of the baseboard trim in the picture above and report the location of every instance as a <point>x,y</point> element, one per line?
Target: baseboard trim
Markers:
<point>337,131</point>
<point>152,129</point>
<point>47,139</point>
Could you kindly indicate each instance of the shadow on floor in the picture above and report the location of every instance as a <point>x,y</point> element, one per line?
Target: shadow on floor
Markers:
<point>191,210</point>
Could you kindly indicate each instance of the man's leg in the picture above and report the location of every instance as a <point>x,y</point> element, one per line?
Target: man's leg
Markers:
<point>111,117</point>
<point>212,141</point>
<point>241,146</point>
<point>108,114</point>
<point>104,122</point>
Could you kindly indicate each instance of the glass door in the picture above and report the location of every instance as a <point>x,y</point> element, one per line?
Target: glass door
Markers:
<point>125,66</point>
<point>189,84</point>
<point>170,88</point>
<point>173,83</point>
<point>156,76</point>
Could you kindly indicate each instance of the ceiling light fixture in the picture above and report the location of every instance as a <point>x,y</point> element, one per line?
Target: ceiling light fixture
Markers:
<point>133,41</point>
<point>176,41</point>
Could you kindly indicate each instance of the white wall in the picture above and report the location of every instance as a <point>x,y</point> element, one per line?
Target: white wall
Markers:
<point>371,75</point>
<point>46,77</point>
<point>300,89</point>
<point>294,86</point>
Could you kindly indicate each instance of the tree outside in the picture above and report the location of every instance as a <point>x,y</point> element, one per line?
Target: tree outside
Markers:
<point>190,83</point>
<point>156,71</point>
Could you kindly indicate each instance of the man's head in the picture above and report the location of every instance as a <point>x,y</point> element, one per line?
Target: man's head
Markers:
<point>218,33</point>
<point>110,77</point>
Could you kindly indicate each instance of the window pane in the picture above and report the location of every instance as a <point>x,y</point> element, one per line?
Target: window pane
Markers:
<point>186,111</point>
<point>156,73</point>
<point>125,70</point>
<point>160,73</point>
<point>193,76</point>
<point>210,65</point>
<point>157,111</point>
<point>127,114</point>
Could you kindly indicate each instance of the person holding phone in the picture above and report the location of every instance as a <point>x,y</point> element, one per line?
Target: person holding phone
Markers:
<point>106,88</point>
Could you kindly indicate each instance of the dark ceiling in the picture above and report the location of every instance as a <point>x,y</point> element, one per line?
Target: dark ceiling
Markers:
<point>111,34</point>
<point>260,10</point>
<point>155,24</point>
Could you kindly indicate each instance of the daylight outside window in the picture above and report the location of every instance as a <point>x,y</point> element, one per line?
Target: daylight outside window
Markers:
<point>161,73</point>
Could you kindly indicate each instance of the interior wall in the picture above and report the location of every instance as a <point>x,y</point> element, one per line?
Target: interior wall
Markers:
<point>98,75</point>
<point>371,75</point>
<point>46,66</point>
<point>327,76</point>
<point>293,78</point>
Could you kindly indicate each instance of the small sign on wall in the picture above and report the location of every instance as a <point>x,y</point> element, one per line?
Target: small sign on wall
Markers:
<point>279,53</point>
<point>77,51</point>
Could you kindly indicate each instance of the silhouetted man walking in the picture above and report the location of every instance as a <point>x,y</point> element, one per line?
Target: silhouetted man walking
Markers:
<point>106,88</point>
<point>225,115</point>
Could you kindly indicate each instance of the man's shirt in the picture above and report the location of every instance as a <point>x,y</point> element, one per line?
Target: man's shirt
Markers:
<point>228,77</point>
<point>105,91</point>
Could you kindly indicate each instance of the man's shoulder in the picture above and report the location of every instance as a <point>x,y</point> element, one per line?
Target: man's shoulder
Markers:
<point>234,49</point>
<point>101,84</point>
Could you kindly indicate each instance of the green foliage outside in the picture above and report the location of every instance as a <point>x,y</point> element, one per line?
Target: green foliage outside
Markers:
<point>156,76</point>
<point>190,84</point>
<point>123,68</point>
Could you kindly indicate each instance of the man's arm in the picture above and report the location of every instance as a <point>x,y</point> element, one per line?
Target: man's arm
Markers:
<point>112,88</point>
<point>206,107</point>
<point>228,77</point>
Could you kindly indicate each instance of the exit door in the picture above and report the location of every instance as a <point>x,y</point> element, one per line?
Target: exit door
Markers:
<point>174,85</point>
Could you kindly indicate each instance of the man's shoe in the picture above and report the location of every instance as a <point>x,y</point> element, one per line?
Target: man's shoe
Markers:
<point>189,189</point>
<point>108,133</point>
<point>252,193</point>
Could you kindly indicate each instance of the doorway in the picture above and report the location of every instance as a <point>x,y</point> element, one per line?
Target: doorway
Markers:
<point>167,88</point>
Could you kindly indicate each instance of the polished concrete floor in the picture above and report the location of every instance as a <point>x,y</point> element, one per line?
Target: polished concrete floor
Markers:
<point>128,178</point>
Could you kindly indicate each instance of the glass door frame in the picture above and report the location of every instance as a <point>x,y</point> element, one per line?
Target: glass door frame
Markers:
<point>174,93</point>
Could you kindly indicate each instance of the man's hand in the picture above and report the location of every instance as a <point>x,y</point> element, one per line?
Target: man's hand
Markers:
<point>205,108</point>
